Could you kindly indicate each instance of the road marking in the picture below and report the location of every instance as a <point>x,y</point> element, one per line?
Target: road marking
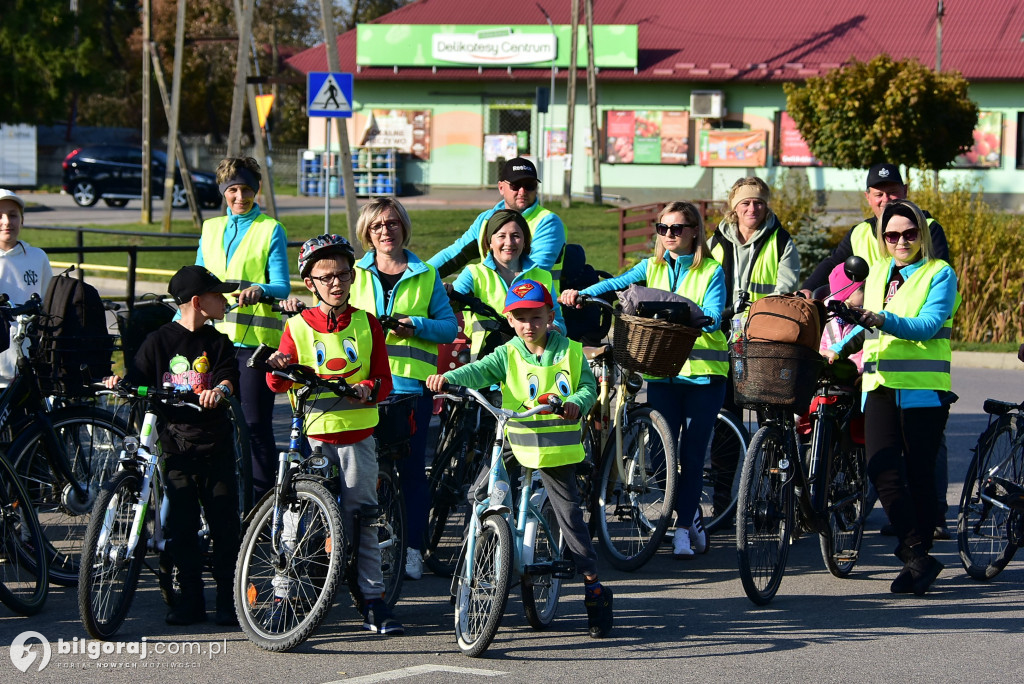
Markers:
<point>418,670</point>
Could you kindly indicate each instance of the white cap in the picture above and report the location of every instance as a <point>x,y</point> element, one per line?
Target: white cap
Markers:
<point>9,194</point>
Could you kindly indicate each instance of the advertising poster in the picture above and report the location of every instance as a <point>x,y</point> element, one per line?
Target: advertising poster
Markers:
<point>556,142</point>
<point>647,137</point>
<point>406,130</point>
<point>986,152</point>
<point>793,149</point>
<point>500,147</point>
<point>733,148</point>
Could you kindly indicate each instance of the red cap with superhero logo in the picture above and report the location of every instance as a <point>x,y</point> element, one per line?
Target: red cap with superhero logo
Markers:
<point>527,294</point>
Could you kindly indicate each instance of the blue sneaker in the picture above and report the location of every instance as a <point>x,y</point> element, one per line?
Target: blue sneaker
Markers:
<point>599,611</point>
<point>377,618</point>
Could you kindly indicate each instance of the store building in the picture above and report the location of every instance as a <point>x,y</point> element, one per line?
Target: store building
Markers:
<point>690,94</point>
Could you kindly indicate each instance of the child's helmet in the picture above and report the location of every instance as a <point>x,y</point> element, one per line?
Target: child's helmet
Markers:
<point>321,246</point>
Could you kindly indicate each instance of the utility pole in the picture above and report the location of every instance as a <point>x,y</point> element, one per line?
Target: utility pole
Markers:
<point>570,105</point>
<point>238,98</point>
<point>595,129</point>
<point>551,108</point>
<point>172,124</point>
<point>334,66</point>
<point>147,150</point>
<point>940,12</point>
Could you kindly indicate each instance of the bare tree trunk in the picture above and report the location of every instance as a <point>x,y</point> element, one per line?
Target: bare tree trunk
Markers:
<point>238,97</point>
<point>595,129</point>
<point>570,105</point>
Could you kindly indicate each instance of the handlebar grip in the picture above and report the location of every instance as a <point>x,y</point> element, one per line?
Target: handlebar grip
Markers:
<point>258,360</point>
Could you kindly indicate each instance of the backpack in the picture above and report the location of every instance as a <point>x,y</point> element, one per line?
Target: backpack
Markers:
<point>589,325</point>
<point>785,318</point>
<point>75,347</point>
<point>148,314</point>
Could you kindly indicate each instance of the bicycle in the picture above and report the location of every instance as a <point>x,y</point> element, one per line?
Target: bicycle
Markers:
<point>990,524</point>
<point>24,571</point>
<point>62,455</point>
<point>392,444</point>
<point>127,521</point>
<point>634,498</point>
<point>506,539</point>
<point>730,432</point>
<point>782,493</point>
<point>295,549</point>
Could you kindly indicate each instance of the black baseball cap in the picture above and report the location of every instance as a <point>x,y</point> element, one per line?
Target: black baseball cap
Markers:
<point>517,169</point>
<point>192,281</point>
<point>880,174</point>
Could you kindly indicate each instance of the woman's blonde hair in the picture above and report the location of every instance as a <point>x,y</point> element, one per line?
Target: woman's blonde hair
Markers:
<point>752,186</point>
<point>372,210</point>
<point>908,210</point>
<point>692,214</point>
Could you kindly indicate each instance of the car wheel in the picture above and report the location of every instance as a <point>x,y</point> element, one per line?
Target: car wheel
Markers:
<point>84,193</point>
<point>211,205</point>
<point>178,198</point>
<point>118,203</point>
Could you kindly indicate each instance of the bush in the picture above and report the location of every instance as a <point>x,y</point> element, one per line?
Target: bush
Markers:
<point>800,213</point>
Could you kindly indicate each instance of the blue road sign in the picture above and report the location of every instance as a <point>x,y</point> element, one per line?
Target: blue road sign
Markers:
<point>328,94</point>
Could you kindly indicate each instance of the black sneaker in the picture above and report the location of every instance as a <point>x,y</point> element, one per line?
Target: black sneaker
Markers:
<point>187,613</point>
<point>377,618</point>
<point>941,532</point>
<point>904,582</point>
<point>599,612</point>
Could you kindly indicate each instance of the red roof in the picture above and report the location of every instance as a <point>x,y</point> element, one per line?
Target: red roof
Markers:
<point>738,40</point>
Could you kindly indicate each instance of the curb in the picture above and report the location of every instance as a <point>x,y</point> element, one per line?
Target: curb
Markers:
<point>995,360</point>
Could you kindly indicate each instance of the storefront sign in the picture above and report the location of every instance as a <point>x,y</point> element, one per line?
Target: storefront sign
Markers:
<point>647,137</point>
<point>733,148</point>
<point>500,147</point>
<point>986,152</point>
<point>793,149</point>
<point>531,46</point>
<point>406,130</point>
<point>556,142</point>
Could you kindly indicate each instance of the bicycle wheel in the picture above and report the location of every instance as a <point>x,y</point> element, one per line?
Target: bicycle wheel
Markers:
<point>285,585</point>
<point>844,500</point>
<point>635,509</point>
<point>981,526</point>
<point>91,440</point>
<point>23,568</point>
<point>108,577</point>
<point>586,471</point>
<point>391,534</point>
<point>729,434</point>
<point>243,456</point>
<point>540,592</point>
<point>764,515</point>
<point>480,599</point>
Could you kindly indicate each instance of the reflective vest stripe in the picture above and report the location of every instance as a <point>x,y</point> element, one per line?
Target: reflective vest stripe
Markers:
<point>254,320</point>
<point>332,402</point>
<point>761,288</point>
<point>545,422</point>
<point>944,333</point>
<point>401,351</point>
<point>544,440</point>
<point>709,355</point>
<point>907,366</point>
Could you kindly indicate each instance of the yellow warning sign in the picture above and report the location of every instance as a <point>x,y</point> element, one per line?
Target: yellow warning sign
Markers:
<point>263,105</point>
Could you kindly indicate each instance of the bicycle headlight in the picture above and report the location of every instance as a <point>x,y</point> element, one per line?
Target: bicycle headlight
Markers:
<point>131,444</point>
<point>633,383</point>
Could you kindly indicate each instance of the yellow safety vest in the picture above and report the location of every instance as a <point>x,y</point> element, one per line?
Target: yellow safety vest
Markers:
<point>253,325</point>
<point>331,355</point>
<point>898,363</point>
<point>864,243</point>
<point>765,273</point>
<point>533,220</point>
<point>545,440</point>
<point>710,355</point>
<point>489,287</point>
<point>408,357</point>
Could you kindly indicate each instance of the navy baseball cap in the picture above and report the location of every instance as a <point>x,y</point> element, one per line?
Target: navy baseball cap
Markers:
<point>880,174</point>
<point>527,294</point>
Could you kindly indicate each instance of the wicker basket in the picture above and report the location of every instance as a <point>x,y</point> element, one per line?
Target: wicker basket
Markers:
<point>652,346</point>
<point>774,373</point>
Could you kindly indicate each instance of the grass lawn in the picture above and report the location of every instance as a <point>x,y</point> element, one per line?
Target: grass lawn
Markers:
<point>433,230</point>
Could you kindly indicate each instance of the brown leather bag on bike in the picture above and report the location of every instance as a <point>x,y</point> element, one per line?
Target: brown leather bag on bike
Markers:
<point>785,318</point>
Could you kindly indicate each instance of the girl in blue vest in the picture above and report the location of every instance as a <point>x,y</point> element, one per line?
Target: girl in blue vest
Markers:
<point>250,246</point>
<point>505,239</point>
<point>392,280</point>
<point>689,402</point>
<point>909,300</point>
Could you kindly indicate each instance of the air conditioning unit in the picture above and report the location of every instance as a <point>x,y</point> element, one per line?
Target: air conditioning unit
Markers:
<point>707,104</point>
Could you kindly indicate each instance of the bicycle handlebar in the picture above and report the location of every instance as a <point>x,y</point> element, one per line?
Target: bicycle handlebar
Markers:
<point>391,323</point>
<point>302,375</point>
<point>460,393</point>
<point>33,306</point>
<point>167,394</point>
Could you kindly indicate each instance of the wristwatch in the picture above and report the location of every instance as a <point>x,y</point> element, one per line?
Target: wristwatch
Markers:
<point>224,389</point>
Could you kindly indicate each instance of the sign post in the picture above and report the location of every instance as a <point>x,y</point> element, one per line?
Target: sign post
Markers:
<point>329,95</point>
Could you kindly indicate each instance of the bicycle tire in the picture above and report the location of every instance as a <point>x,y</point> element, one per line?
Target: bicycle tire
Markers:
<point>306,585</point>
<point>764,515</point>
<point>92,439</point>
<point>981,527</point>
<point>480,600</point>
<point>540,593</point>
<point>844,501</point>
<point>24,572</point>
<point>108,578</point>
<point>243,456</point>
<point>632,516</point>
<point>393,530</point>
<point>586,471</point>
<point>728,432</point>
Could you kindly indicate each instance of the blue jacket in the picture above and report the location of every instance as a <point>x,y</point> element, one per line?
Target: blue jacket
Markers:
<point>546,242</point>
<point>440,327</point>
<point>279,286</point>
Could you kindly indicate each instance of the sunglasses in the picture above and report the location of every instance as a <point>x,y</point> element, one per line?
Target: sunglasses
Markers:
<point>893,236</point>
<point>675,230</point>
<point>529,186</point>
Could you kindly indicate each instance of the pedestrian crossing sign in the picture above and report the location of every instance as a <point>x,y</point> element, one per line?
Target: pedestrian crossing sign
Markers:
<point>328,94</point>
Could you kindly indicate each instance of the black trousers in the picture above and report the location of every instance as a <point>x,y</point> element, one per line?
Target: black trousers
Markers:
<point>258,407</point>
<point>902,445</point>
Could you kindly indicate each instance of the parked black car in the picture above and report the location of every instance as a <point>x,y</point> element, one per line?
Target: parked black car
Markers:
<point>114,173</point>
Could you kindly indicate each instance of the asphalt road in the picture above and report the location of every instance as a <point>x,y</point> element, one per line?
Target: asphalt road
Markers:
<point>674,621</point>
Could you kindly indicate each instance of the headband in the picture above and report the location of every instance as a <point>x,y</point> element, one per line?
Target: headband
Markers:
<point>747,192</point>
<point>242,176</point>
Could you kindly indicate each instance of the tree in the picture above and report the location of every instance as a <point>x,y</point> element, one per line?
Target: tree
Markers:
<point>884,111</point>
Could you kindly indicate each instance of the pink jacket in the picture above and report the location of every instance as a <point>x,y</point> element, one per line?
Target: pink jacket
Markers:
<point>836,330</point>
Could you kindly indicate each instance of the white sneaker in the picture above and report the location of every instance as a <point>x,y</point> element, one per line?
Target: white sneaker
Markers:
<point>698,537</point>
<point>413,564</point>
<point>681,543</point>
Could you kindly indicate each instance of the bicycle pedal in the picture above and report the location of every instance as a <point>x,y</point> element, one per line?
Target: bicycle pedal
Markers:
<point>563,569</point>
<point>846,557</point>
